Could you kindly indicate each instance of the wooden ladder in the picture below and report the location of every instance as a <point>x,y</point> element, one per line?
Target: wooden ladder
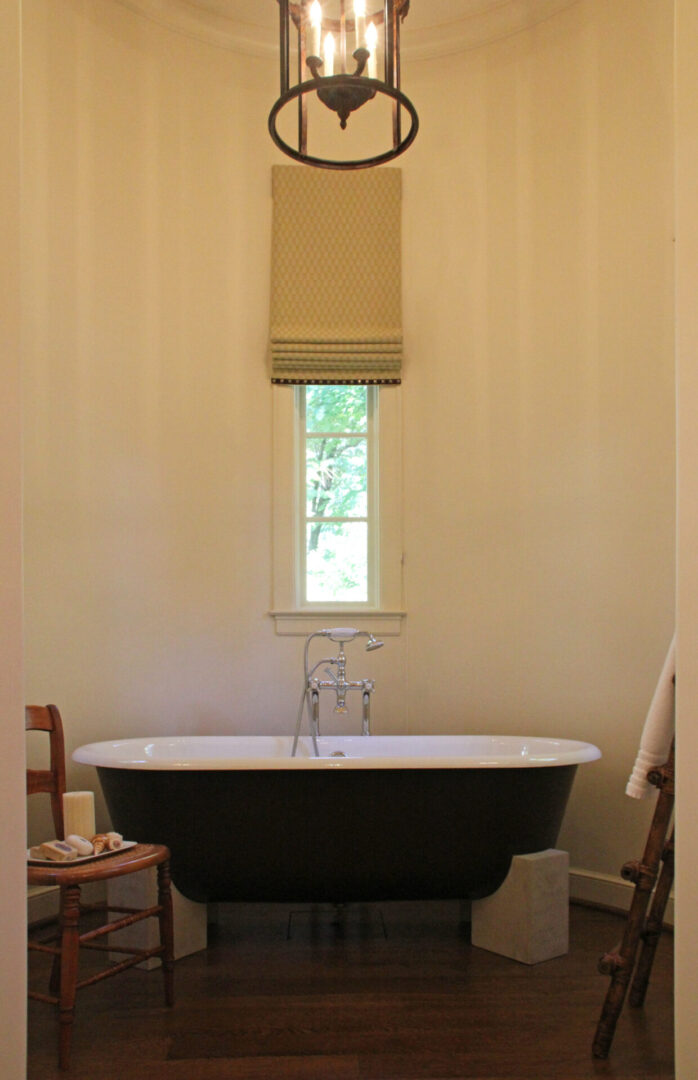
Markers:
<point>641,928</point>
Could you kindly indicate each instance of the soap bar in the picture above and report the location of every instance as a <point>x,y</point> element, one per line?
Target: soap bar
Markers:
<point>80,843</point>
<point>57,850</point>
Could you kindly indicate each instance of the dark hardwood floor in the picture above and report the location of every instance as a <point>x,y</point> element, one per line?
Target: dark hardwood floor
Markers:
<point>350,1002</point>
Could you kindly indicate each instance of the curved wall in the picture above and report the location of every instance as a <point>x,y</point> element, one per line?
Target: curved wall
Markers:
<point>433,29</point>
<point>537,402</point>
<point>539,393</point>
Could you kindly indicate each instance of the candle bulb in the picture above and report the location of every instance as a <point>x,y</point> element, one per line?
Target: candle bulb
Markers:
<point>372,46</point>
<point>328,66</point>
<point>79,814</point>
<point>315,28</point>
<point>359,22</point>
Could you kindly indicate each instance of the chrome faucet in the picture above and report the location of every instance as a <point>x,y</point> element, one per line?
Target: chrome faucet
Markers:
<point>336,681</point>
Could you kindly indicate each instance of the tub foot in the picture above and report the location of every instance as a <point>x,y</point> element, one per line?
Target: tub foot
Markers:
<point>527,919</point>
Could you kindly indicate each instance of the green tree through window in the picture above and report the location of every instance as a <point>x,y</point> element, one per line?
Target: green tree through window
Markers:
<point>337,492</point>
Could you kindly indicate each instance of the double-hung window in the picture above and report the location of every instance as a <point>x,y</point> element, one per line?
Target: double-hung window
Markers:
<point>338,494</point>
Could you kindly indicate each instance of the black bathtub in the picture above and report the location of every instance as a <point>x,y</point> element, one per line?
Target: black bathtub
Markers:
<point>373,818</point>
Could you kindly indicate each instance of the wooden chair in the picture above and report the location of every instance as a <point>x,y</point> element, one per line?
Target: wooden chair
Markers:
<point>69,877</point>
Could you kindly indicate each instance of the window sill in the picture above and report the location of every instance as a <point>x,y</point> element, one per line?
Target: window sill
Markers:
<point>302,623</point>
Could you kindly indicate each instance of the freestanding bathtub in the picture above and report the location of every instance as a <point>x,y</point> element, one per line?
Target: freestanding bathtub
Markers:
<point>372,818</point>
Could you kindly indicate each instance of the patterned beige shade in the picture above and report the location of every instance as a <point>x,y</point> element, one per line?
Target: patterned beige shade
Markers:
<point>336,311</point>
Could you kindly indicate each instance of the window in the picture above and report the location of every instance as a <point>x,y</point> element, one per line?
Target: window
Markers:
<point>337,489</point>
<point>337,511</point>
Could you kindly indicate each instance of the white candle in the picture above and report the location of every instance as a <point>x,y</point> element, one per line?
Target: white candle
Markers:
<point>79,814</point>
<point>372,46</point>
<point>359,20</point>
<point>315,27</point>
<point>328,66</point>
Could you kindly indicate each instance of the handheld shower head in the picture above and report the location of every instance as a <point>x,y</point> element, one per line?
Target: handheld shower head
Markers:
<point>340,634</point>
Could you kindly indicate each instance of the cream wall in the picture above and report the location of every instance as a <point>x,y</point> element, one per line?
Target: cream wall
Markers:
<point>539,397</point>
<point>686,948</point>
<point>12,783</point>
<point>148,437</point>
<point>537,402</point>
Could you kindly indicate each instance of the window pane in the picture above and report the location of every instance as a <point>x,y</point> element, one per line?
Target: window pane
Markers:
<point>336,477</point>
<point>336,408</point>
<point>337,561</point>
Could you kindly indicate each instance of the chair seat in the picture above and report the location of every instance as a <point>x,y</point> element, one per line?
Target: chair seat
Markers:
<point>130,861</point>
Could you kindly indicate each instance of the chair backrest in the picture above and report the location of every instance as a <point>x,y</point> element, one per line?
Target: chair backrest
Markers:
<point>47,718</point>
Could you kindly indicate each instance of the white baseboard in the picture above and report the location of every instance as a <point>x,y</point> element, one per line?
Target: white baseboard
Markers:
<point>42,900</point>
<point>607,891</point>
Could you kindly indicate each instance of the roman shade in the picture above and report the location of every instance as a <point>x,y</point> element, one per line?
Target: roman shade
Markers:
<point>336,314</point>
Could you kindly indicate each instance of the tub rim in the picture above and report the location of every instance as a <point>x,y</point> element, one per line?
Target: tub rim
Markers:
<point>496,751</point>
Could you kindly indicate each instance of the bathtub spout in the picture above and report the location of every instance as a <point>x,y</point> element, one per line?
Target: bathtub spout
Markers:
<point>315,719</point>
<point>366,714</point>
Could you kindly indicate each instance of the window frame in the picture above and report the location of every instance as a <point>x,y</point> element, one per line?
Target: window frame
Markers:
<point>291,613</point>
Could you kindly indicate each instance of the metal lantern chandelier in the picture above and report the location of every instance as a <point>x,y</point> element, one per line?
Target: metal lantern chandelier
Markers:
<point>346,55</point>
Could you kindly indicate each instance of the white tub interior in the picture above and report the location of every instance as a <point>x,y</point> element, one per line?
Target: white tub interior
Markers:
<point>337,752</point>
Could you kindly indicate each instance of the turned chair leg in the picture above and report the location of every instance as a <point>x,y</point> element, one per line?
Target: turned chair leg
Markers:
<point>166,929</point>
<point>54,983</point>
<point>70,945</point>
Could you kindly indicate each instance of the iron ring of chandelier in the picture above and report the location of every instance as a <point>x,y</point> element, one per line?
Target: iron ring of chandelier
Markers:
<point>347,82</point>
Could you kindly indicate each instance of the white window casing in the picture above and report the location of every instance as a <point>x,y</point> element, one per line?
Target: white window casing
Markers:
<point>384,607</point>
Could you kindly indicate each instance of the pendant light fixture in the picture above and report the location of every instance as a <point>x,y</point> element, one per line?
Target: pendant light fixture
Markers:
<point>347,53</point>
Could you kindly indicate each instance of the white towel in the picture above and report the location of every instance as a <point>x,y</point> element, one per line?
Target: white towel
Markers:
<point>658,731</point>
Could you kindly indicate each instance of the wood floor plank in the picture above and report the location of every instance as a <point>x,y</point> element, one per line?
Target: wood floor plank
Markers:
<point>348,1003</point>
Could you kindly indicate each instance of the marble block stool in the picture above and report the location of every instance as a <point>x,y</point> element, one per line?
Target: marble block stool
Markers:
<point>527,919</point>
<point>190,920</point>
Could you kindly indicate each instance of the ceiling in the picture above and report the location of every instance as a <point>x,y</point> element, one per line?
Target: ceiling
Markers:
<point>432,27</point>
